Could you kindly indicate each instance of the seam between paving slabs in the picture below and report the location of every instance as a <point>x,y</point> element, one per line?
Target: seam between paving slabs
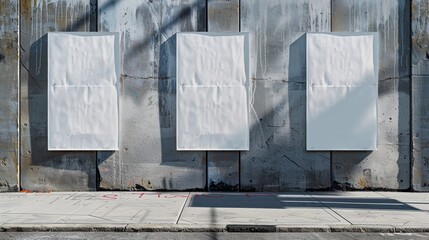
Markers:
<point>183,208</point>
<point>326,206</point>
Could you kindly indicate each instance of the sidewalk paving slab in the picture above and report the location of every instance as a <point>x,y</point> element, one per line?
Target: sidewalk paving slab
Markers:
<point>386,212</point>
<point>94,207</point>
<point>256,208</point>
<point>414,199</point>
<point>362,208</point>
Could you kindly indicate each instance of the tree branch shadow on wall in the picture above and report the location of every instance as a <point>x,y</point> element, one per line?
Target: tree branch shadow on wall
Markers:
<point>278,160</point>
<point>164,75</point>
<point>167,112</point>
<point>299,47</point>
<point>43,170</point>
<point>297,82</point>
<point>345,163</point>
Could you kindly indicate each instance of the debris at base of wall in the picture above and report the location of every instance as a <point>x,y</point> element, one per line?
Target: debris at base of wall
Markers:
<point>221,186</point>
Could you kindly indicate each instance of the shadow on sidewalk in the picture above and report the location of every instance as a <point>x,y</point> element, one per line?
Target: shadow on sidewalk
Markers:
<point>284,201</point>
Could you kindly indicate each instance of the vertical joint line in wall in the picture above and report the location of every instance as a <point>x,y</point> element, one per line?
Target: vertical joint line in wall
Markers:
<point>19,99</point>
<point>239,171</point>
<point>93,27</point>
<point>411,97</point>
<point>97,173</point>
<point>96,15</point>
<point>331,175</point>
<point>330,24</point>
<point>239,18</point>
<point>207,172</point>
<point>207,153</point>
<point>239,153</point>
<point>207,17</point>
<point>93,16</point>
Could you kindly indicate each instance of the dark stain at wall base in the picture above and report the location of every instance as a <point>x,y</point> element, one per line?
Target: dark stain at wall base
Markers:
<point>5,187</point>
<point>342,186</point>
<point>221,186</point>
<point>345,186</point>
<point>1,57</point>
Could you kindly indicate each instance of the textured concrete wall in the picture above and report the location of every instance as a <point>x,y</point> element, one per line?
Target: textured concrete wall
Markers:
<point>9,25</point>
<point>42,170</point>
<point>147,158</point>
<point>277,160</point>
<point>420,95</point>
<point>389,166</point>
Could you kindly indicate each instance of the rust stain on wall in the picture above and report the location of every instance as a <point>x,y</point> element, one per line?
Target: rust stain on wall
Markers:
<point>42,170</point>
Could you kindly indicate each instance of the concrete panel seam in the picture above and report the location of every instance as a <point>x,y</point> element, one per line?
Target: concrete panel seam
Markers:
<point>410,85</point>
<point>19,98</point>
<point>147,78</point>
<point>394,78</point>
<point>419,75</point>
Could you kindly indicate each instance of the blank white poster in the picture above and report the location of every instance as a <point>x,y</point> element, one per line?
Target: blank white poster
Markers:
<point>342,91</point>
<point>83,78</point>
<point>212,91</point>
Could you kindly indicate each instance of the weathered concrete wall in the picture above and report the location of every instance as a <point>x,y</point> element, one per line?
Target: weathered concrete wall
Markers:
<point>9,25</point>
<point>223,168</point>
<point>389,166</point>
<point>147,158</point>
<point>277,160</point>
<point>42,170</point>
<point>223,15</point>
<point>420,95</point>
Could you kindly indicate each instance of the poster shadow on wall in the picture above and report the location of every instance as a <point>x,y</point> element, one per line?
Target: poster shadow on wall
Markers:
<point>167,98</point>
<point>35,146</point>
<point>297,82</point>
<point>380,168</point>
<point>36,151</point>
<point>43,170</point>
<point>167,106</point>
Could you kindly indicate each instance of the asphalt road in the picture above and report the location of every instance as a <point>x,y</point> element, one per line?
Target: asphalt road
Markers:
<point>204,236</point>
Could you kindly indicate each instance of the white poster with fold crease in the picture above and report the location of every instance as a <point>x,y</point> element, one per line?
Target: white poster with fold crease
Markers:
<point>342,91</point>
<point>83,84</point>
<point>212,91</point>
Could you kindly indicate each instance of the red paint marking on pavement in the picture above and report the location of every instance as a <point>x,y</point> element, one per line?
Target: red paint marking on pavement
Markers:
<point>110,196</point>
<point>210,195</point>
<point>174,196</point>
<point>140,194</point>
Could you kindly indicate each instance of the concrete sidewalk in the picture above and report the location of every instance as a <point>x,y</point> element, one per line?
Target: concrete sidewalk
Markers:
<point>208,212</point>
